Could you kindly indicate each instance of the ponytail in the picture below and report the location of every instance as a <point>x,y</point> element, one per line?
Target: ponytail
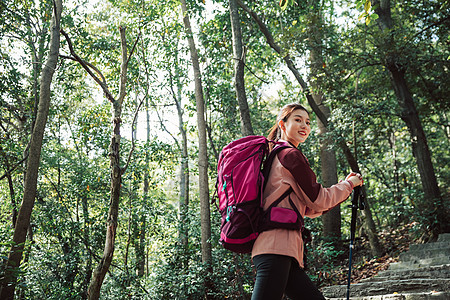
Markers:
<point>274,135</point>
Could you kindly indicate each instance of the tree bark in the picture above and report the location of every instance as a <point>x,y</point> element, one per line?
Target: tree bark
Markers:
<point>23,218</point>
<point>202,155</point>
<point>239,61</point>
<point>433,204</point>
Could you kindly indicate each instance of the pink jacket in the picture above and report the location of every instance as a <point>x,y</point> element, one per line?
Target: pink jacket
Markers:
<point>291,168</point>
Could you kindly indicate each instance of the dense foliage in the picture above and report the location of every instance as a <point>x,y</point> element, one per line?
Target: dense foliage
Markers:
<point>67,231</point>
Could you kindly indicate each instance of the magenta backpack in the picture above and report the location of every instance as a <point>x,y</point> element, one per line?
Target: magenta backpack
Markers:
<point>239,186</point>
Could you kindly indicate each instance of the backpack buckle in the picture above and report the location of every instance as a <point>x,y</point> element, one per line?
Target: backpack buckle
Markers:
<point>229,211</point>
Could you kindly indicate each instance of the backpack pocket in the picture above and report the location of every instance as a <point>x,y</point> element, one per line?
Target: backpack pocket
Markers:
<point>281,217</point>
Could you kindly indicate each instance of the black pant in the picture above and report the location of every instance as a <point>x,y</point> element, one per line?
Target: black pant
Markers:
<point>278,274</point>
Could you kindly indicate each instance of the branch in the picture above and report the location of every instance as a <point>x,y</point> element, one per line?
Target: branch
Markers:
<point>132,136</point>
<point>134,46</point>
<point>178,106</point>
<point>85,66</point>
<point>430,26</point>
<point>209,130</point>
<point>14,167</point>
<point>88,64</point>
<point>346,77</point>
<point>289,62</point>
<point>124,65</point>
<point>262,26</point>
<point>251,71</point>
<point>163,126</point>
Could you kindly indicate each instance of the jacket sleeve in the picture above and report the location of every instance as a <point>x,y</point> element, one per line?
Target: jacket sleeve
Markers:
<point>316,198</point>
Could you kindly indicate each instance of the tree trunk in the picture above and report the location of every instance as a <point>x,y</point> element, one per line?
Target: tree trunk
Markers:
<point>332,219</point>
<point>23,218</point>
<point>395,168</point>
<point>370,224</point>
<point>86,237</point>
<point>183,232</point>
<point>202,155</point>
<point>239,61</point>
<point>432,206</point>
<point>184,177</point>
<point>140,251</point>
<point>12,195</point>
<point>116,178</point>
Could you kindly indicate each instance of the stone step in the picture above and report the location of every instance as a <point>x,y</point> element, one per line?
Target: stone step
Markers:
<point>424,254</point>
<point>444,237</point>
<point>440,271</point>
<point>435,261</point>
<point>421,247</point>
<point>389,287</point>
<point>423,273</point>
<point>410,296</point>
<point>409,275</point>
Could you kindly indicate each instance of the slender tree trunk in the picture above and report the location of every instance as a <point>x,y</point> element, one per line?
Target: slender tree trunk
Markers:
<point>9,280</point>
<point>433,205</point>
<point>116,179</point>
<point>395,168</point>
<point>239,63</point>
<point>376,247</point>
<point>133,231</point>
<point>86,237</point>
<point>140,251</point>
<point>12,194</point>
<point>332,219</point>
<point>183,227</point>
<point>183,233</point>
<point>133,225</point>
<point>202,155</point>
<point>36,56</point>
<point>184,177</point>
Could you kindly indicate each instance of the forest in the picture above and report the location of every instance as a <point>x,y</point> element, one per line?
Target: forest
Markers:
<point>113,115</point>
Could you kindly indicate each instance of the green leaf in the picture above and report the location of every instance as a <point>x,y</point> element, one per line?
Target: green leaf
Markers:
<point>367,6</point>
<point>374,16</point>
<point>359,3</point>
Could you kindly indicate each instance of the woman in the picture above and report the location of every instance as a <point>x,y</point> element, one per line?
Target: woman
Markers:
<point>278,253</point>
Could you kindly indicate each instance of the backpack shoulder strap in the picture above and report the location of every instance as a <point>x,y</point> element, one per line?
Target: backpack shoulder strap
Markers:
<point>268,163</point>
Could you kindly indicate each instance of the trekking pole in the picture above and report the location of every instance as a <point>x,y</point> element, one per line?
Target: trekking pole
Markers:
<point>357,202</point>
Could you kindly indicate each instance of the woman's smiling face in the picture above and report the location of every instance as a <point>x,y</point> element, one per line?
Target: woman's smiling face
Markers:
<point>296,128</point>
